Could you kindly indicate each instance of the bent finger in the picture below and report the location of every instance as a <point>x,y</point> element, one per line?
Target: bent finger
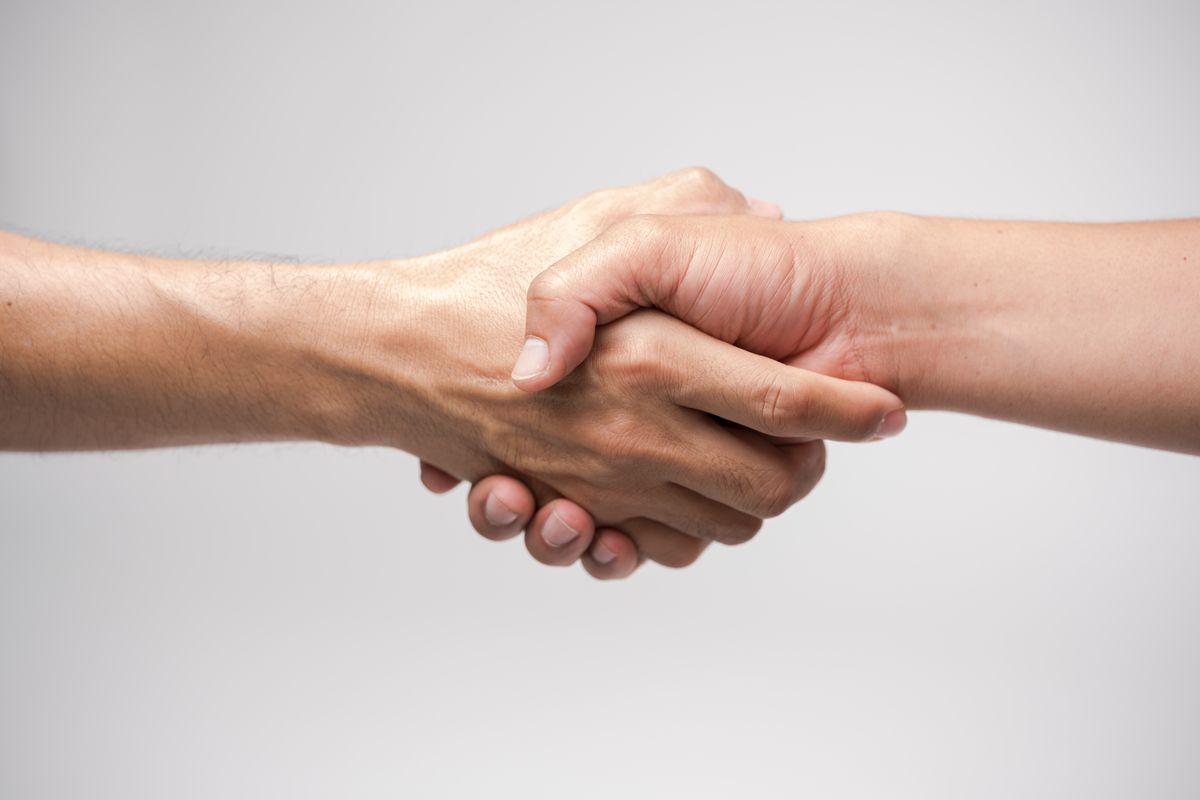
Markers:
<point>560,533</point>
<point>437,480</point>
<point>662,544</point>
<point>696,515</point>
<point>612,556</point>
<point>500,507</point>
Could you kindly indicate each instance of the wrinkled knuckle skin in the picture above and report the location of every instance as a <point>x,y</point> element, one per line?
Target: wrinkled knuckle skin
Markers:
<point>772,411</point>
<point>625,358</point>
<point>777,495</point>
<point>786,408</point>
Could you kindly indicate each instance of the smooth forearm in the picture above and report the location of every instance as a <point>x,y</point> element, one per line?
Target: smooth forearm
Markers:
<point>1093,329</point>
<point>104,350</point>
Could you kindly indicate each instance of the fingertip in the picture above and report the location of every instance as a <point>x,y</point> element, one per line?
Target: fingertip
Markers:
<point>499,507</point>
<point>612,556</point>
<point>437,480</point>
<point>559,533</point>
<point>533,361</point>
<point>893,424</point>
<point>535,369</point>
<point>889,418</point>
<point>572,514</point>
<point>535,383</point>
<point>843,410</point>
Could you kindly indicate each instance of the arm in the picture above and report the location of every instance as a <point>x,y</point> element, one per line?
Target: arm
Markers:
<point>102,350</point>
<point>1093,329</point>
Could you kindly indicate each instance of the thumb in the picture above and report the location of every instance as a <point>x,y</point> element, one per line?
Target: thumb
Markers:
<point>633,264</point>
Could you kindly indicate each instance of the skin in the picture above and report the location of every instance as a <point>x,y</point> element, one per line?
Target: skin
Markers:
<point>102,350</point>
<point>1090,329</point>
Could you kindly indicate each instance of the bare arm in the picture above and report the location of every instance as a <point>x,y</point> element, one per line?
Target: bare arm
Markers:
<point>102,350</point>
<point>1093,329</point>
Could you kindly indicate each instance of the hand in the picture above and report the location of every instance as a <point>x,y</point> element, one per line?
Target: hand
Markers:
<point>532,244</point>
<point>776,288</point>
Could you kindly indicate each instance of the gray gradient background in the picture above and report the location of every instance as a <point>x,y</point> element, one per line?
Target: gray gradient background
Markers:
<point>976,610</point>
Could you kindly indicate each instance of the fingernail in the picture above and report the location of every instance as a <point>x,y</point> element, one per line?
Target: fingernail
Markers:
<point>534,358</point>
<point>602,554</point>
<point>764,208</point>
<point>498,514</point>
<point>558,533</point>
<point>892,424</point>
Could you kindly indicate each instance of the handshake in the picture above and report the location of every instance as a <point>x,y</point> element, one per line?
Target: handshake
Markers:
<point>628,377</point>
<point>651,436</point>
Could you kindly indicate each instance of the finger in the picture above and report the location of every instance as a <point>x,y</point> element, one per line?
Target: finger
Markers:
<point>663,545</point>
<point>560,533</point>
<point>689,511</point>
<point>612,556</point>
<point>436,480</point>
<point>808,464</point>
<point>736,467</point>
<point>709,375</point>
<point>802,465</point>
<point>500,507</point>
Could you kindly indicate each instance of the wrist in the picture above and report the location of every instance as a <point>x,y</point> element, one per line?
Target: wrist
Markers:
<point>293,351</point>
<point>359,345</point>
<point>402,353</point>
<point>915,311</point>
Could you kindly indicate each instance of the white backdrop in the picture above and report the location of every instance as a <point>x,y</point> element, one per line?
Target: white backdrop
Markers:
<point>973,610</point>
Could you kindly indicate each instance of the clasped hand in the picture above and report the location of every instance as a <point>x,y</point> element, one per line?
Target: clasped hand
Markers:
<point>671,434</point>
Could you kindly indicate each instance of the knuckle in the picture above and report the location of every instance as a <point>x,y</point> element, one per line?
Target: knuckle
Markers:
<point>780,405</point>
<point>769,403</point>
<point>630,360</point>
<point>547,286</point>
<point>777,494</point>
<point>702,180</point>
<point>740,531</point>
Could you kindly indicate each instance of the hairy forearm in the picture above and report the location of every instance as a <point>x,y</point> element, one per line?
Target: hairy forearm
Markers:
<point>1093,329</point>
<point>104,350</point>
